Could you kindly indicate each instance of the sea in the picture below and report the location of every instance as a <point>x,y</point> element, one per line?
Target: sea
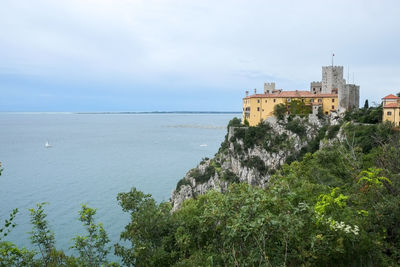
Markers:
<point>92,158</point>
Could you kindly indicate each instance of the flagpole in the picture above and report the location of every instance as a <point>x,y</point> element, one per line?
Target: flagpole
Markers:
<point>333,54</point>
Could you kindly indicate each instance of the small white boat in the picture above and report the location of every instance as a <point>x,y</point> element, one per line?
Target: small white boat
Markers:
<point>203,145</point>
<point>47,145</point>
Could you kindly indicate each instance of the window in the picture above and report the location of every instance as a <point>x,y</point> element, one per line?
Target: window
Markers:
<point>288,100</point>
<point>302,100</point>
<point>326,112</point>
<point>319,100</point>
<point>274,100</point>
<point>312,100</point>
<point>265,100</point>
<point>389,113</point>
<point>258,100</point>
<point>258,109</point>
<point>333,107</point>
<point>333,100</point>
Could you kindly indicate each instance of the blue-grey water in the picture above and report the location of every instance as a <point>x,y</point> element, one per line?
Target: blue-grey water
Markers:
<point>94,157</point>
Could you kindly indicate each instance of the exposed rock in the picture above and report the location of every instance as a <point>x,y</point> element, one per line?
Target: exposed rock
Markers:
<point>232,159</point>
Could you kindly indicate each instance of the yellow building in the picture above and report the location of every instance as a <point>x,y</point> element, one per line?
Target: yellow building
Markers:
<point>391,109</point>
<point>258,107</point>
<point>331,94</point>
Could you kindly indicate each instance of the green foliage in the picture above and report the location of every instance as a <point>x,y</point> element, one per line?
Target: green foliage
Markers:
<point>11,255</point>
<point>230,177</point>
<point>367,114</point>
<point>9,224</point>
<point>255,162</point>
<point>202,177</point>
<point>150,232</point>
<point>366,104</point>
<point>253,135</point>
<point>280,111</point>
<point>91,247</point>
<point>297,107</point>
<point>332,131</point>
<point>181,183</point>
<point>368,136</point>
<point>235,122</point>
<point>296,126</point>
<point>41,235</point>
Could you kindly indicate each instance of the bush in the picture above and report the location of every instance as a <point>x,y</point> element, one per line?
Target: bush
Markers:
<point>203,177</point>
<point>296,126</point>
<point>332,131</point>
<point>229,176</point>
<point>280,111</point>
<point>181,183</point>
<point>254,162</point>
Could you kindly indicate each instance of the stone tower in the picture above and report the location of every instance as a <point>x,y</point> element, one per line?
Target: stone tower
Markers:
<point>269,88</point>
<point>333,83</point>
<point>332,79</point>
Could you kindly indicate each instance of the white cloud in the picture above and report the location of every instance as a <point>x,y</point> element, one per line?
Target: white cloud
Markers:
<point>224,43</point>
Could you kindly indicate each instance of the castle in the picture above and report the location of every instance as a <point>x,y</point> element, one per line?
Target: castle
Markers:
<point>332,94</point>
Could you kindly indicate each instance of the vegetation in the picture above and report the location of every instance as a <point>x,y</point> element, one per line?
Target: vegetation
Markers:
<point>296,126</point>
<point>296,107</point>
<point>91,248</point>
<point>337,204</point>
<point>280,111</point>
<point>366,114</point>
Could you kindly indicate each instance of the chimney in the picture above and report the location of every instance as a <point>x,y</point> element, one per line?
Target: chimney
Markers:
<point>255,90</point>
<point>247,93</point>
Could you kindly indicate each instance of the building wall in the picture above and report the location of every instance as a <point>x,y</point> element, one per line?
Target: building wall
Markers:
<point>329,104</point>
<point>263,107</point>
<point>393,117</point>
<point>349,97</point>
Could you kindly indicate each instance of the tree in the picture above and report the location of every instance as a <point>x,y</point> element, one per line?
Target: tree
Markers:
<point>150,232</point>
<point>280,111</point>
<point>41,234</point>
<point>366,105</point>
<point>91,247</point>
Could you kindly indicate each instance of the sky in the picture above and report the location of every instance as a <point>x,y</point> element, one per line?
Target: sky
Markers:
<point>170,55</point>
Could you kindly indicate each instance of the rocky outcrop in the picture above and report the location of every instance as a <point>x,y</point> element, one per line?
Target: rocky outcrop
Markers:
<point>251,155</point>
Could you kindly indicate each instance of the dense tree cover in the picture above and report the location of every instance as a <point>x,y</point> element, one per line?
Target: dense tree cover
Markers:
<point>366,114</point>
<point>338,205</point>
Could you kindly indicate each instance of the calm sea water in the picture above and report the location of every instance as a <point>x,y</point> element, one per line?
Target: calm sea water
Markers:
<point>94,157</point>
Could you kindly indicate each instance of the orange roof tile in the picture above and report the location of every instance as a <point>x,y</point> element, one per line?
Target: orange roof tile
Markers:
<point>392,105</point>
<point>295,94</point>
<point>391,96</point>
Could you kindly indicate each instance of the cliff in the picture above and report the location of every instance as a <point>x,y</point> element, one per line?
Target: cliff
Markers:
<point>252,154</point>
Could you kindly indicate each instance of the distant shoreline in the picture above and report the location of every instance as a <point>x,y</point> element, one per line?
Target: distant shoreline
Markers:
<point>123,112</point>
<point>162,112</point>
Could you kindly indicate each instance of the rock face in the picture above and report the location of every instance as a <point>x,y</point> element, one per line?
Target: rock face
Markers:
<point>250,155</point>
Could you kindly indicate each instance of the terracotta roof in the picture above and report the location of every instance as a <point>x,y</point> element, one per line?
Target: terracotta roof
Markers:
<point>391,96</point>
<point>392,105</point>
<point>295,94</point>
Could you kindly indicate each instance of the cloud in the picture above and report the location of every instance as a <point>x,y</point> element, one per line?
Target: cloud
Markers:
<point>196,45</point>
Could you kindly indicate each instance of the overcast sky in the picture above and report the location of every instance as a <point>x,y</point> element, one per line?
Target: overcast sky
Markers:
<point>167,55</point>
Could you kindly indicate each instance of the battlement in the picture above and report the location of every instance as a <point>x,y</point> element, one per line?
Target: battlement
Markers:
<point>269,88</point>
